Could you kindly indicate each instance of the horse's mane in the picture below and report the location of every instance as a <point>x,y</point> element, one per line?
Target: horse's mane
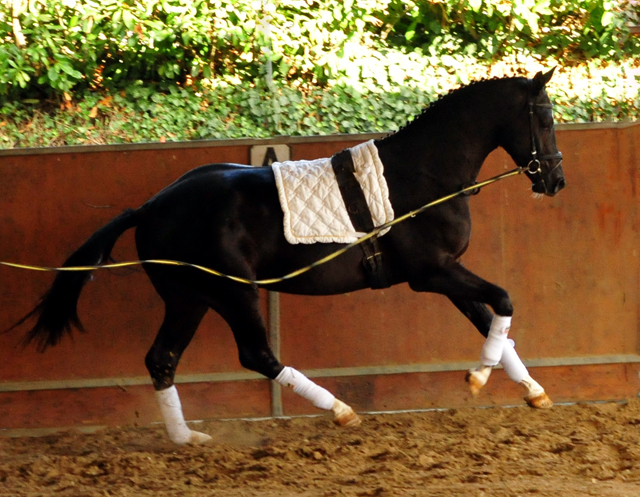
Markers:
<point>454,93</point>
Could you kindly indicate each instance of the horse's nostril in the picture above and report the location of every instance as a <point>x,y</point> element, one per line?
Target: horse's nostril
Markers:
<point>560,185</point>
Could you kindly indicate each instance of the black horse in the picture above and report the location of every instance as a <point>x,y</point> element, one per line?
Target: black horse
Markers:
<point>228,217</point>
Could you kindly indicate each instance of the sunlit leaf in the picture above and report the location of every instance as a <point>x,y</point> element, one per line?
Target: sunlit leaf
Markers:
<point>607,18</point>
<point>128,19</point>
<point>475,5</point>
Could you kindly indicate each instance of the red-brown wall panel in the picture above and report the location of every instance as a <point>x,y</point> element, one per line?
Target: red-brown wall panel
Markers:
<point>570,264</point>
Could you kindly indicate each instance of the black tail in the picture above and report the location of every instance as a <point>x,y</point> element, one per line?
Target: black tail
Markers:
<point>57,311</point>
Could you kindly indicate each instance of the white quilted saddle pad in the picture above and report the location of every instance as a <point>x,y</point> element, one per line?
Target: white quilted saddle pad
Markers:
<point>312,203</point>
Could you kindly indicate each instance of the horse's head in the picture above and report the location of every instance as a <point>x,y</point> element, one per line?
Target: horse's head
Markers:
<point>533,144</point>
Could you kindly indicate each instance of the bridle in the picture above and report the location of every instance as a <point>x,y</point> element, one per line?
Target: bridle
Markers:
<point>534,167</point>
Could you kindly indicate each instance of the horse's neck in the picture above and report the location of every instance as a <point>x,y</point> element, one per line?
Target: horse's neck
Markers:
<point>448,152</point>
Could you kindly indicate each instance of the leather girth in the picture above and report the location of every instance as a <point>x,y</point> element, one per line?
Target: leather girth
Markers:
<point>360,215</point>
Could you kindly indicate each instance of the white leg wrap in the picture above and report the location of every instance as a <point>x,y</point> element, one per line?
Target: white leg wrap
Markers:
<point>304,387</point>
<point>171,408</point>
<point>494,345</point>
<point>512,364</point>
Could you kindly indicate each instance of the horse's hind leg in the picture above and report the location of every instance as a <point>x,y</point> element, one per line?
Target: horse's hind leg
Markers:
<point>482,318</point>
<point>241,310</point>
<point>181,320</point>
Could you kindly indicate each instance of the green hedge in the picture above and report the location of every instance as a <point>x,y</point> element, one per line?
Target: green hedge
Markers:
<point>81,71</point>
<point>70,45</point>
<point>142,114</point>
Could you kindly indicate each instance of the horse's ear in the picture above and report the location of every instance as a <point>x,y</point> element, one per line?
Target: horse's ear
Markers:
<point>540,81</point>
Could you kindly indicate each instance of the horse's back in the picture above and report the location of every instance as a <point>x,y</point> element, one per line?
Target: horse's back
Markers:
<point>214,187</point>
<point>209,206</point>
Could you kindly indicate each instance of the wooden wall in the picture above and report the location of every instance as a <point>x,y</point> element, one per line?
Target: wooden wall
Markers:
<point>570,264</point>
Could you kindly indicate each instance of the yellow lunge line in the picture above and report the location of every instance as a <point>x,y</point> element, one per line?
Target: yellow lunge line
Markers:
<point>293,274</point>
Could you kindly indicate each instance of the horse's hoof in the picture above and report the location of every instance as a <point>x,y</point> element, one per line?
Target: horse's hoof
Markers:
<point>344,415</point>
<point>197,438</point>
<point>351,419</point>
<point>476,380</point>
<point>539,401</point>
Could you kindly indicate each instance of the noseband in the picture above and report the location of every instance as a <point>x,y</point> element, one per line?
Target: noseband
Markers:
<point>534,167</point>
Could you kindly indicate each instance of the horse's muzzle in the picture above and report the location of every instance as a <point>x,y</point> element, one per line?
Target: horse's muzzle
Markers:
<point>551,183</point>
<point>549,189</point>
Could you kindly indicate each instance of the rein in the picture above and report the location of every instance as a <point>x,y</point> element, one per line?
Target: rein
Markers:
<point>298,272</point>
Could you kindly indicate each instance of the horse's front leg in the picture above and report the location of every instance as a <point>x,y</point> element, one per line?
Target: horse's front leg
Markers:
<point>459,284</point>
<point>482,318</point>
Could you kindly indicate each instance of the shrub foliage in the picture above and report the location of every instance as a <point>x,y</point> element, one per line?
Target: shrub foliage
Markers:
<point>120,70</point>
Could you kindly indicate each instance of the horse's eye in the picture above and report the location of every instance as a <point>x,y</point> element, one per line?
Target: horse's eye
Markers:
<point>546,122</point>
